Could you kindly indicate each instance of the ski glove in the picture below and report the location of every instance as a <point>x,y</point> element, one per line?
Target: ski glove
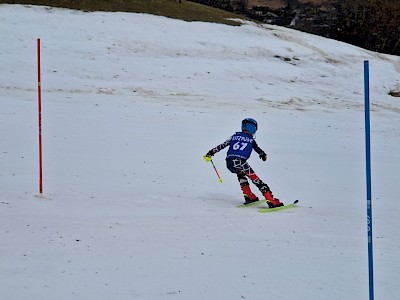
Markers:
<point>209,155</point>
<point>263,156</point>
<point>211,152</point>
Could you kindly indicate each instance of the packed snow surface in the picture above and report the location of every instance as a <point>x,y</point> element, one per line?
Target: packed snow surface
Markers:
<point>131,103</point>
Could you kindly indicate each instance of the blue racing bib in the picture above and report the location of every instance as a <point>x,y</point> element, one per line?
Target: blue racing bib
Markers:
<point>241,146</point>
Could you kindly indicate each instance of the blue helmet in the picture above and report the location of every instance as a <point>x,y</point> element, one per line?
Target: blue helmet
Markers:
<point>249,125</point>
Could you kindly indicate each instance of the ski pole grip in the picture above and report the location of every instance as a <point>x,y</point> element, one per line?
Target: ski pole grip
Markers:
<point>207,158</point>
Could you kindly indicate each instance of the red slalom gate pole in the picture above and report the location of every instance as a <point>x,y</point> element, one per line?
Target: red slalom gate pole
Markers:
<point>40,121</point>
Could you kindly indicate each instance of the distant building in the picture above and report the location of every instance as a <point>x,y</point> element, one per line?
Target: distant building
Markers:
<point>268,4</point>
<point>271,4</point>
<point>254,4</point>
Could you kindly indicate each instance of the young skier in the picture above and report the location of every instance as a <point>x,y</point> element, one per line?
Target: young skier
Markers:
<point>241,145</point>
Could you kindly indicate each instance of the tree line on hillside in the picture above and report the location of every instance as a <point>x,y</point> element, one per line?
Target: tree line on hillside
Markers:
<point>370,24</point>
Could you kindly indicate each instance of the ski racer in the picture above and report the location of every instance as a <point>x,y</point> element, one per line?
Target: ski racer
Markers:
<point>241,145</point>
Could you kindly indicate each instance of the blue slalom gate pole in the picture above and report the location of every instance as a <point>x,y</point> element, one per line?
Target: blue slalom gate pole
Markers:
<point>368,169</point>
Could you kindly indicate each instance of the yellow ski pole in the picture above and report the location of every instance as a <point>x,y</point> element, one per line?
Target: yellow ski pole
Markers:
<point>209,159</point>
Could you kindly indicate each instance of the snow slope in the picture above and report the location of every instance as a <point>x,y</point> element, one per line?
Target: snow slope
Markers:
<point>130,210</point>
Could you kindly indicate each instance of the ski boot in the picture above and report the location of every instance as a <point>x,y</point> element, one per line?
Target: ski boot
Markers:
<point>271,201</point>
<point>248,200</point>
<point>249,197</point>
